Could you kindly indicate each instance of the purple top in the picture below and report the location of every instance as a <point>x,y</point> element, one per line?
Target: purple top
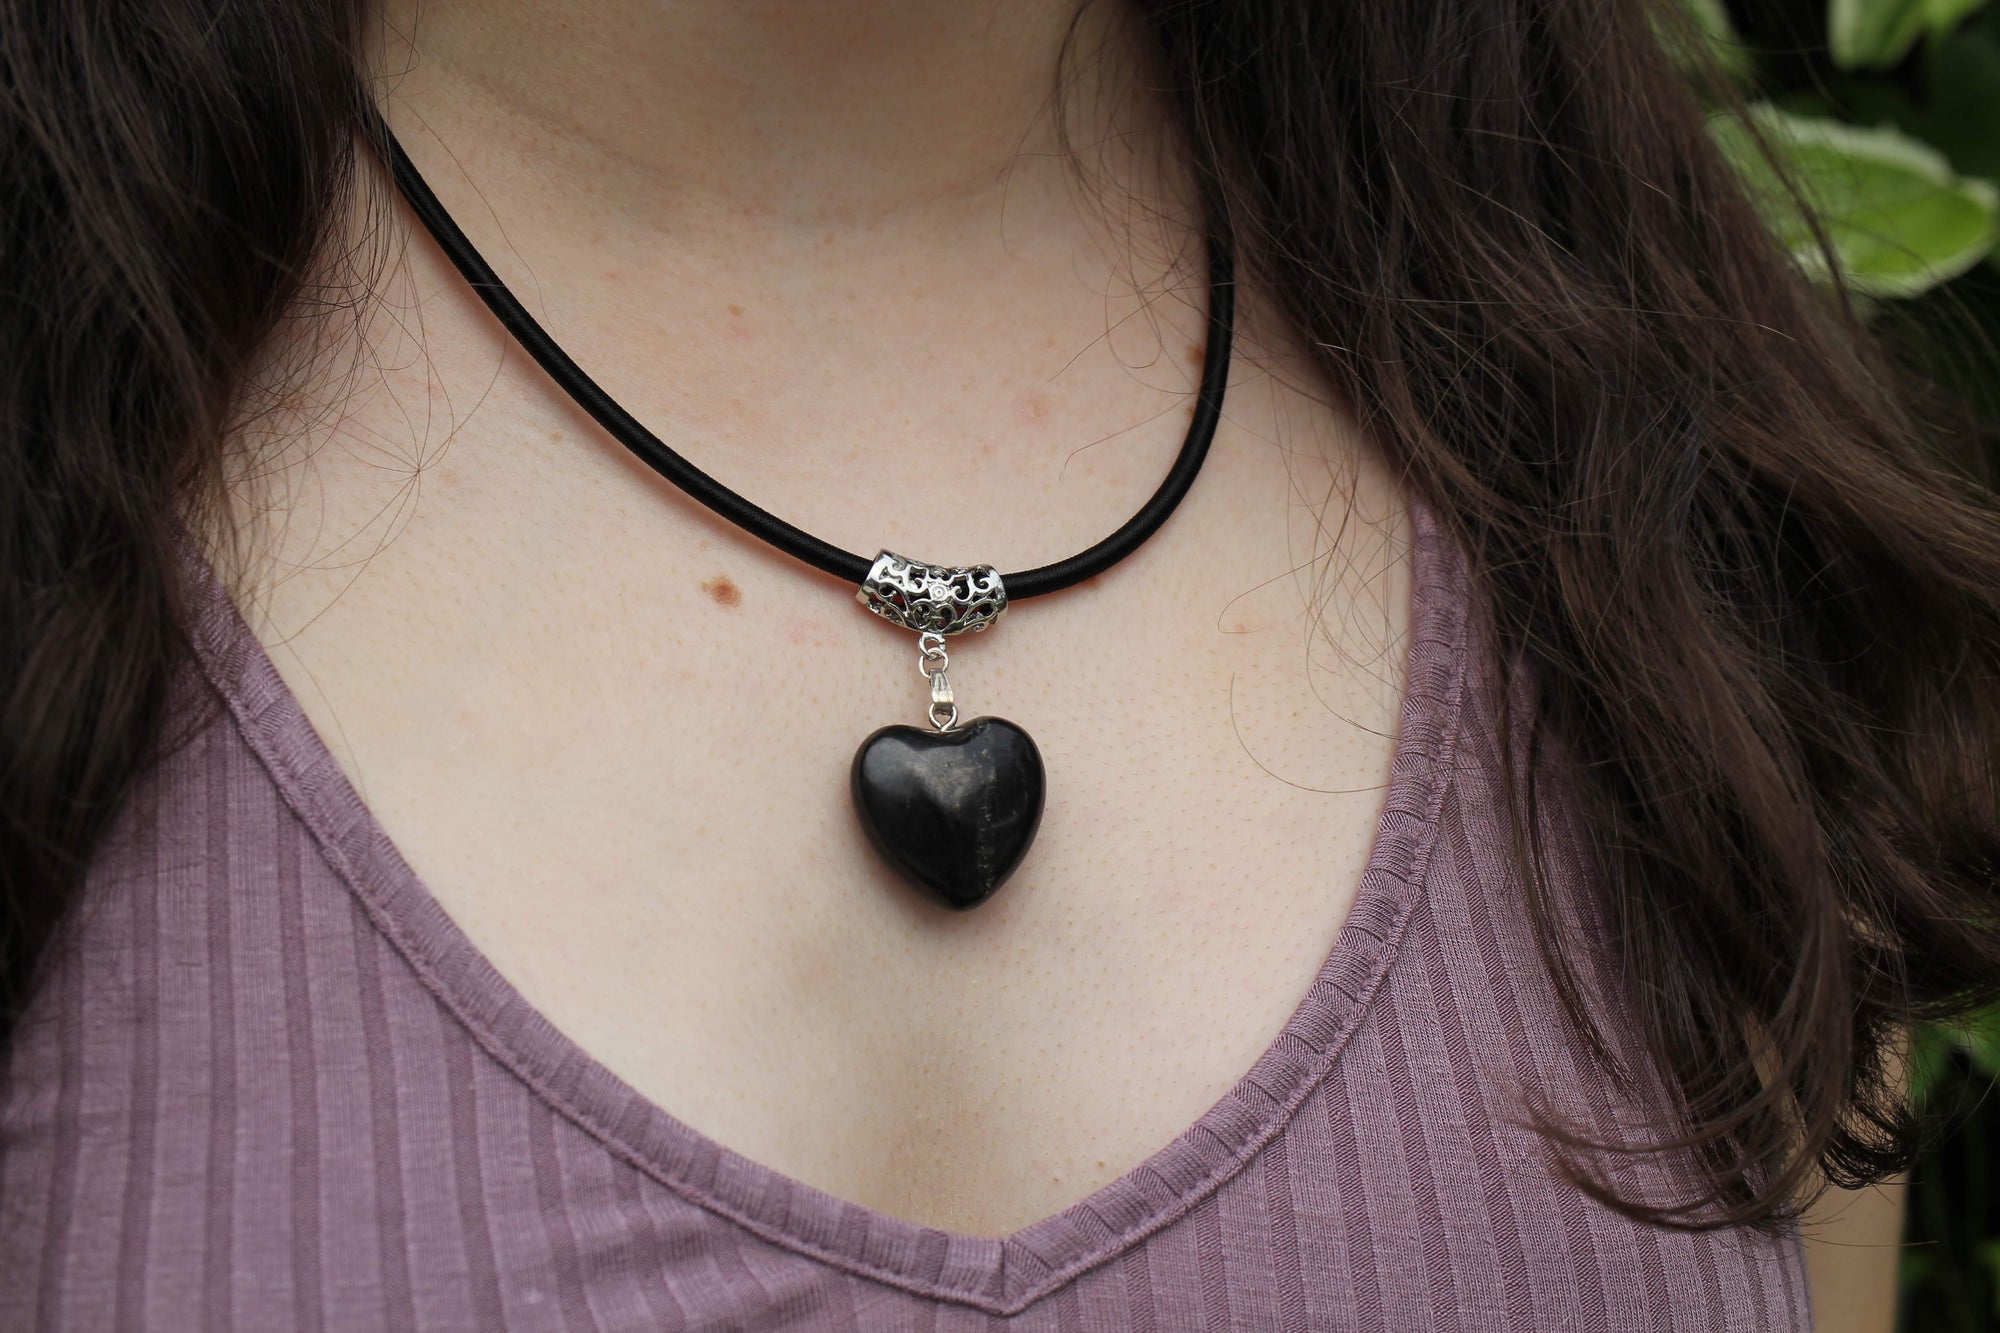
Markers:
<point>268,1084</point>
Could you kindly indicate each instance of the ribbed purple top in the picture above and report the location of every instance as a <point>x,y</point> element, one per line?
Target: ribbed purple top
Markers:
<point>268,1084</point>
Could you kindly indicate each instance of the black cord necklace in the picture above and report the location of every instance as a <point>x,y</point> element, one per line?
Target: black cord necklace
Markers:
<point>953,809</point>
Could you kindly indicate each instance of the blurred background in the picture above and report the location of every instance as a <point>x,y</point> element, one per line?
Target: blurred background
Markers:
<point>1884,117</point>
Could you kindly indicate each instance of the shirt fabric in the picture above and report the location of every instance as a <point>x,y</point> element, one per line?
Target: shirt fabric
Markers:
<point>267,1084</point>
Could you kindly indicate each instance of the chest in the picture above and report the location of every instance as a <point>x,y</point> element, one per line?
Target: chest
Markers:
<point>615,749</point>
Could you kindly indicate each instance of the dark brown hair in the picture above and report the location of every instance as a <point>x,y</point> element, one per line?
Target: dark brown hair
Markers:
<point>1763,609</point>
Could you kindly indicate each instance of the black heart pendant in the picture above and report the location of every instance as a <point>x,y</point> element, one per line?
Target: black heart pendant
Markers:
<point>955,810</point>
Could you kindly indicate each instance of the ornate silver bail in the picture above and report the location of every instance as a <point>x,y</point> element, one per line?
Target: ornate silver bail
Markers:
<point>933,599</point>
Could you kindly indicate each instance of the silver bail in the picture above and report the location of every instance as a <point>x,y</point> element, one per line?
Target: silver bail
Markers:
<point>932,599</point>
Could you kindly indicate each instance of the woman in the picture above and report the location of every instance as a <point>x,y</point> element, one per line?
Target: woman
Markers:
<point>437,893</point>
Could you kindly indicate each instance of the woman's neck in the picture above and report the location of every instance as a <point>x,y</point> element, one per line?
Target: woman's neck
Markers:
<point>818,114</point>
<point>800,239</point>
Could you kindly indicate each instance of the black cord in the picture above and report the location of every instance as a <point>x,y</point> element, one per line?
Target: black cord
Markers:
<point>796,542</point>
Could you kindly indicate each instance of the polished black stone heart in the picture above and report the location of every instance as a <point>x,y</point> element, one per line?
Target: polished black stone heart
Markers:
<point>954,811</point>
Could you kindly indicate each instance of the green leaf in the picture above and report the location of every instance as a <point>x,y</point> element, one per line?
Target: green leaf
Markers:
<point>1712,17</point>
<point>1989,1256</point>
<point>1979,1036</point>
<point>1944,15</point>
<point>1930,1052</point>
<point>1702,28</point>
<point>1875,34</point>
<point>1872,33</point>
<point>1897,218</point>
<point>1932,1045</point>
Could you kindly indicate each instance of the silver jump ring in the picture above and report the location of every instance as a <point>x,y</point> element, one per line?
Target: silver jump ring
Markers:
<point>932,659</point>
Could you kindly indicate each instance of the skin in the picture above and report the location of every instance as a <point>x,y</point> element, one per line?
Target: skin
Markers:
<point>1851,1248</point>
<point>600,723</point>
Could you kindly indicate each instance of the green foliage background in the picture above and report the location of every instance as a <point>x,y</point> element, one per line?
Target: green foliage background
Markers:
<point>1883,121</point>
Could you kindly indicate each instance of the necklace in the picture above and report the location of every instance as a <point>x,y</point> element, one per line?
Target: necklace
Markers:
<point>952,808</point>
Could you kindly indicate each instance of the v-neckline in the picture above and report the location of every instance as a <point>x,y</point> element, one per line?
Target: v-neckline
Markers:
<point>998,1275</point>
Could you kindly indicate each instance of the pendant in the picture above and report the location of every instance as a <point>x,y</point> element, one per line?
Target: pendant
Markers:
<point>952,809</point>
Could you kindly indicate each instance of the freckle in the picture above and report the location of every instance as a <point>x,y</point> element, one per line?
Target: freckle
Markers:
<point>723,591</point>
<point>737,311</point>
